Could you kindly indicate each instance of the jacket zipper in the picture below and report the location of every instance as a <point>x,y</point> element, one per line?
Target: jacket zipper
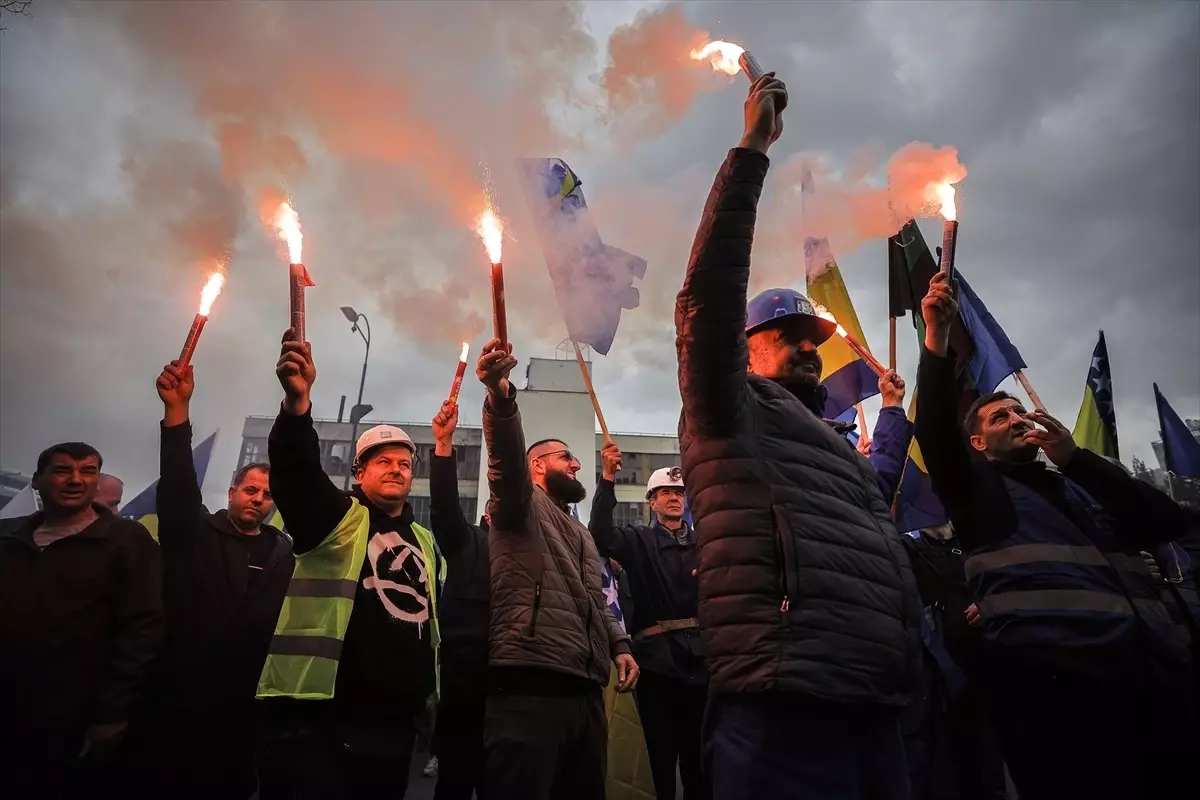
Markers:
<point>785,604</point>
<point>537,603</point>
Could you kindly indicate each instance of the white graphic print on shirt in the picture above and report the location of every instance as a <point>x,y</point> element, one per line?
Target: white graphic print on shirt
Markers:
<point>389,553</point>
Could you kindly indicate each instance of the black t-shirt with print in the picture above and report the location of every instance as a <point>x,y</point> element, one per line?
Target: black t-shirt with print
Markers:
<point>386,671</point>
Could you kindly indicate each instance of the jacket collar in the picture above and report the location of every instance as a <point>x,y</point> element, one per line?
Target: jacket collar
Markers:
<point>220,521</point>
<point>97,530</point>
<point>378,518</point>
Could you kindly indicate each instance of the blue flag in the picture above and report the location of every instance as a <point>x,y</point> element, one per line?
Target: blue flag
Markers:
<point>994,357</point>
<point>593,281</point>
<point>144,507</point>
<point>1181,451</point>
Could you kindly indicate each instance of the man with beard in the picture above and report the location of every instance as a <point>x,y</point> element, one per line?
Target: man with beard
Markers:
<point>552,633</point>
<point>224,574</point>
<point>808,611</point>
<point>80,623</point>
<point>353,659</point>
<point>1086,677</point>
<point>660,568</point>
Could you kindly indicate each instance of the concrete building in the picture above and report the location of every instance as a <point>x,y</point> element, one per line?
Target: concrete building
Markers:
<point>554,404</point>
<point>11,483</point>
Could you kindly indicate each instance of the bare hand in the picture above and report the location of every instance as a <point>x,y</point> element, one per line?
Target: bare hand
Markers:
<point>891,386</point>
<point>1056,441</point>
<point>493,367</point>
<point>1151,565</point>
<point>864,446</point>
<point>973,617</point>
<point>938,308</point>
<point>610,456</point>
<point>175,384</point>
<point>627,673</point>
<point>443,428</point>
<point>296,372</point>
<point>99,741</point>
<point>764,113</point>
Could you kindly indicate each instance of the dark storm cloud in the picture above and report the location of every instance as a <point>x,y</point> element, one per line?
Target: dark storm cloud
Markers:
<point>129,152</point>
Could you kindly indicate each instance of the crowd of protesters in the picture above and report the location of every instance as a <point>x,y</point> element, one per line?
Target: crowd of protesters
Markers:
<point>787,642</point>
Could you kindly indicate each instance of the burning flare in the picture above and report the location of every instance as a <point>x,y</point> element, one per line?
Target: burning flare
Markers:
<point>824,313</point>
<point>491,231</point>
<point>466,349</point>
<point>287,222</point>
<point>209,293</point>
<point>722,55</point>
<point>945,193</point>
<point>859,349</point>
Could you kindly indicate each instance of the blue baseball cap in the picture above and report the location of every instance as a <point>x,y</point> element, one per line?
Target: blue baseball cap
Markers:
<point>778,307</point>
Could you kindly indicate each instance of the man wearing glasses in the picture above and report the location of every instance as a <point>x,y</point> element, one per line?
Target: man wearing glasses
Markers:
<point>552,635</point>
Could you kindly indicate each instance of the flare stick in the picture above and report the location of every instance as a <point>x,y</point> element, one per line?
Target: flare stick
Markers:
<point>949,240</point>
<point>587,381</point>
<point>892,343</point>
<point>458,374</point>
<point>864,354</point>
<point>499,320</point>
<point>298,280</point>
<point>1033,396</point>
<point>750,66</point>
<point>189,344</point>
<point>862,424</point>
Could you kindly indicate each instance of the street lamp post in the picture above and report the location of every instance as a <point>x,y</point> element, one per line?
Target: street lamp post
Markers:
<point>359,411</point>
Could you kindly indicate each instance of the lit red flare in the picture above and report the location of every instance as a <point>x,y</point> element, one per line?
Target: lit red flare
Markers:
<point>949,230</point>
<point>491,230</point>
<point>208,294</point>
<point>458,374</point>
<point>854,344</point>
<point>287,223</point>
<point>729,58</point>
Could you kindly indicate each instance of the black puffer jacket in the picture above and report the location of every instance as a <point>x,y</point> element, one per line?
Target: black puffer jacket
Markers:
<point>804,583</point>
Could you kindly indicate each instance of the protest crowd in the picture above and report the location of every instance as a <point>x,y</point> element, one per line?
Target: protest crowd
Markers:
<point>789,635</point>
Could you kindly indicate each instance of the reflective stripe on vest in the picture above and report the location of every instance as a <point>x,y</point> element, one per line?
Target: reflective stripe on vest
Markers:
<point>303,657</point>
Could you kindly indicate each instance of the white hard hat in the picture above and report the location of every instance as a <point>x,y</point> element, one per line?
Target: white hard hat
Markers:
<point>379,435</point>
<point>667,476</point>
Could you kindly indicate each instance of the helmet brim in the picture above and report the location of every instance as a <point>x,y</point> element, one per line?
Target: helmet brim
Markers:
<point>818,330</point>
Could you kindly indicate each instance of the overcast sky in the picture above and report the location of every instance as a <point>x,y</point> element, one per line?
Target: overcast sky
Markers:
<point>135,141</point>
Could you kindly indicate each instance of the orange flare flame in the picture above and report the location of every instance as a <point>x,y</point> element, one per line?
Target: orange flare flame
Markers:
<point>491,231</point>
<point>722,55</point>
<point>209,293</point>
<point>945,193</point>
<point>466,348</point>
<point>287,222</point>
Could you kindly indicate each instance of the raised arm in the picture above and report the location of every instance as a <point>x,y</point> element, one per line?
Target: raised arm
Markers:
<point>710,310</point>
<point>450,525</point>
<point>611,541</point>
<point>893,433</point>
<point>310,504</point>
<point>509,482</point>
<point>178,497</point>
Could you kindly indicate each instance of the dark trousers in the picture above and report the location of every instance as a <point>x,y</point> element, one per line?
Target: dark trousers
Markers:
<point>787,746</point>
<point>458,744</point>
<point>672,715</point>
<point>545,748</point>
<point>311,759</point>
<point>190,755</point>
<point>1068,735</point>
<point>974,746</point>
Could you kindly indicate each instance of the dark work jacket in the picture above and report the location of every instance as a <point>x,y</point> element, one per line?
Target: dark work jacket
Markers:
<point>465,601</point>
<point>659,573</point>
<point>804,584</point>
<point>221,614</point>
<point>942,584</point>
<point>1046,552</point>
<point>80,623</point>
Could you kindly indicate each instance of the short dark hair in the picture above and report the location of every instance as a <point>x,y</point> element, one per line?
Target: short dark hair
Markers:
<point>241,474</point>
<point>76,450</point>
<point>541,442</point>
<point>971,420</point>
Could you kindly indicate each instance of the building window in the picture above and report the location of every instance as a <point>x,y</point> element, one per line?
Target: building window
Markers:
<point>636,468</point>
<point>254,451</point>
<point>468,462</point>
<point>631,514</point>
<point>421,511</point>
<point>470,508</point>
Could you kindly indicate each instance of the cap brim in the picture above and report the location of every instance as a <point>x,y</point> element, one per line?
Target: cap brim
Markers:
<point>816,329</point>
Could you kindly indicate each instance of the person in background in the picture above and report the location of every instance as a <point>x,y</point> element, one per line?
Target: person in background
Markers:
<point>660,561</point>
<point>354,656</point>
<point>225,574</point>
<point>807,609</point>
<point>110,491</point>
<point>463,612</point>
<point>1088,681</point>
<point>81,619</point>
<point>552,634</point>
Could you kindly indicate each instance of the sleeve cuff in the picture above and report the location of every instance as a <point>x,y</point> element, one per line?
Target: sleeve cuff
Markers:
<point>945,362</point>
<point>748,165</point>
<point>621,648</point>
<point>505,407</point>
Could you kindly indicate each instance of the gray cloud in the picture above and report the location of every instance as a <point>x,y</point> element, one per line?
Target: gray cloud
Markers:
<point>134,140</point>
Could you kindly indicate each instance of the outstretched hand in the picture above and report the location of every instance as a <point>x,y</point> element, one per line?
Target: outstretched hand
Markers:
<point>891,386</point>
<point>764,113</point>
<point>444,425</point>
<point>1053,437</point>
<point>296,372</point>
<point>938,309</point>
<point>494,365</point>
<point>175,385</point>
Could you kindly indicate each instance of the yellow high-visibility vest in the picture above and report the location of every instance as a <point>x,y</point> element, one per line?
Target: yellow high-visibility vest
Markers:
<point>303,659</point>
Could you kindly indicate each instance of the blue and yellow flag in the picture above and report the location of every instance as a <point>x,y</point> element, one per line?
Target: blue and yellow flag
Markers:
<point>1181,451</point>
<point>916,505</point>
<point>144,507</point>
<point>847,377</point>
<point>593,281</point>
<point>1096,425</point>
